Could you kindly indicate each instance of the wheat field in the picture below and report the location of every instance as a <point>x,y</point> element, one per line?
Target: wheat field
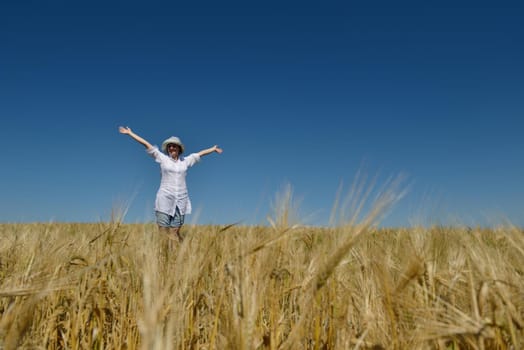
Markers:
<point>282,286</point>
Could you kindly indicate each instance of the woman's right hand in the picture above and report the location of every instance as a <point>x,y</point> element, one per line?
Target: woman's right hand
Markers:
<point>125,130</point>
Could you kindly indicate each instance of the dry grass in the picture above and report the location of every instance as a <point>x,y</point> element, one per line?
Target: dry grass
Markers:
<point>352,286</point>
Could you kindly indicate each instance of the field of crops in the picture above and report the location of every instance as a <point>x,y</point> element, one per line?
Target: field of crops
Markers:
<point>126,286</point>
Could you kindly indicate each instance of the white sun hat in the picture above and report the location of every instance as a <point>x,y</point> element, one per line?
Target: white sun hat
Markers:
<point>175,140</point>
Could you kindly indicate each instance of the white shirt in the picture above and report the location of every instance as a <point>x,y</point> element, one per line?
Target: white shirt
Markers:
<point>173,191</point>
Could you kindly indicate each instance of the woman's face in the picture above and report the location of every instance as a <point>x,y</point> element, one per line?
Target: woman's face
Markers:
<point>173,150</point>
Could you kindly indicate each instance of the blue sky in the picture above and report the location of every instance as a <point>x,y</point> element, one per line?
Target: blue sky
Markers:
<point>300,93</point>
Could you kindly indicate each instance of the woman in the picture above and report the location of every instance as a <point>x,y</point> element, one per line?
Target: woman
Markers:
<point>172,200</point>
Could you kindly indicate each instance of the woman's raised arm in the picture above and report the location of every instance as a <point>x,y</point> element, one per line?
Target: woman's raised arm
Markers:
<point>127,131</point>
<point>207,151</point>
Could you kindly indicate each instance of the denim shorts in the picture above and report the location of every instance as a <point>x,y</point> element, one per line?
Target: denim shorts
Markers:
<point>166,220</point>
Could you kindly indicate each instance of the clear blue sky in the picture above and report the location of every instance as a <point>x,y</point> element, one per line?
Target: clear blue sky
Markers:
<point>301,93</point>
